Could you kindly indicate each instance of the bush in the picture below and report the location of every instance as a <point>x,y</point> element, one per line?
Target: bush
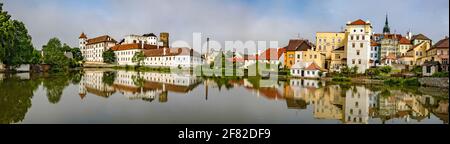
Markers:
<point>340,79</point>
<point>440,74</point>
<point>385,69</point>
<point>373,72</point>
<point>411,82</point>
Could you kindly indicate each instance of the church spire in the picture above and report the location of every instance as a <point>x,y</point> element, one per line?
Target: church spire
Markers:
<point>386,29</point>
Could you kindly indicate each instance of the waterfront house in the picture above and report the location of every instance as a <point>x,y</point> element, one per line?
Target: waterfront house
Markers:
<point>306,70</point>
<point>439,53</point>
<point>358,45</point>
<point>326,43</point>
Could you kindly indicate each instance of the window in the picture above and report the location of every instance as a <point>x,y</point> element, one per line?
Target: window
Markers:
<point>351,37</point>
<point>363,37</point>
<point>354,30</point>
<point>353,61</point>
<point>298,56</point>
<point>320,40</point>
<point>357,104</point>
<point>337,56</point>
<point>357,37</point>
<point>353,45</point>
<point>361,30</point>
<point>351,111</point>
<point>361,45</point>
<point>320,47</point>
<point>357,52</point>
<point>291,56</point>
<point>359,61</point>
<point>315,56</point>
<point>307,72</point>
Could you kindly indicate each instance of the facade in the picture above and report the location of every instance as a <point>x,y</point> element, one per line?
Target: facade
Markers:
<point>419,38</point>
<point>375,51</point>
<point>439,52</point>
<point>147,39</point>
<point>358,45</point>
<point>164,38</point>
<point>326,42</point>
<point>338,59</point>
<point>92,49</point>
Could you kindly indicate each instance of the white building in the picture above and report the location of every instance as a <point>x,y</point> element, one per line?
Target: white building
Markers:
<point>92,49</point>
<point>172,57</point>
<point>358,46</point>
<point>150,39</point>
<point>306,69</point>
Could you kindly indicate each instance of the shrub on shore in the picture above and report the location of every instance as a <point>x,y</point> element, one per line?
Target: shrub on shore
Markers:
<point>340,79</point>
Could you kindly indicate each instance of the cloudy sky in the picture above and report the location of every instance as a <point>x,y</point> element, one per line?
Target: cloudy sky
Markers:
<point>276,20</point>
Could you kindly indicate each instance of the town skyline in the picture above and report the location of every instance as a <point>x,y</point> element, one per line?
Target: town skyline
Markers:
<point>244,20</point>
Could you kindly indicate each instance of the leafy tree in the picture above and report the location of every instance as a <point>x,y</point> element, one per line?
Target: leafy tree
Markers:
<point>77,56</point>
<point>109,56</point>
<point>15,42</point>
<point>138,58</point>
<point>354,69</point>
<point>54,55</point>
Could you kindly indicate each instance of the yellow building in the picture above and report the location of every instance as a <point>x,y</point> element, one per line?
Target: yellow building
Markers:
<point>418,53</point>
<point>292,55</point>
<point>314,56</point>
<point>326,42</point>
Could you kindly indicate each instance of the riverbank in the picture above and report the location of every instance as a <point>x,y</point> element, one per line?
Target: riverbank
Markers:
<point>424,81</point>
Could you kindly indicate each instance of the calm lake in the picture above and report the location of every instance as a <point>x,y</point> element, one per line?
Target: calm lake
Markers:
<point>100,96</point>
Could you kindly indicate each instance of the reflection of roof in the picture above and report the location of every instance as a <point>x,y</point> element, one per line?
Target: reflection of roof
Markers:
<point>270,93</point>
<point>373,43</point>
<point>98,92</point>
<point>296,103</point>
<point>101,39</point>
<point>340,48</point>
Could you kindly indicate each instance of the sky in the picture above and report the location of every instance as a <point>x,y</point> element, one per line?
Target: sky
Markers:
<point>222,20</point>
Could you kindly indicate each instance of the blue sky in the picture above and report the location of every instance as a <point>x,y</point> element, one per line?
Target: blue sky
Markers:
<point>278,20</point>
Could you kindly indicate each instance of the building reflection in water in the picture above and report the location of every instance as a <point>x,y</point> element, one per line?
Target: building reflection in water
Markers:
<point>350,104</point>
<point>146,86</point>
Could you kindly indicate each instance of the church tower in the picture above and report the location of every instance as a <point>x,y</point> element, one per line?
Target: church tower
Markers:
<point>386,29</point>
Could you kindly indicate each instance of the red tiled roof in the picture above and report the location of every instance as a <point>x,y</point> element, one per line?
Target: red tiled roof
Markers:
<point>132,46</point>
<point>442,43</point>
<point>358,22</point>
<point>298,45</point>
<point>83,36</point>
<point>268,54</point>
<point>313,66</point>
<point>403,40</point>
<point>169,52</point>
<point>101,39</point>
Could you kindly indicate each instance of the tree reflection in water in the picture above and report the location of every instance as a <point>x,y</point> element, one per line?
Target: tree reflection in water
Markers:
<point>55,85</point>
<point>15,98</point>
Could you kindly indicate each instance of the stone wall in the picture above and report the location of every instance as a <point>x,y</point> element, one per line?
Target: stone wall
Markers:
<point>434,82</point>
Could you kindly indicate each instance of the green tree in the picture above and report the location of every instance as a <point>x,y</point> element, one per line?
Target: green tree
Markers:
<point>15,42</point>
<point>77,56</point>
<point>54,55</point>
<point>138,58</point>
<point>109,56</point>
<point>373,72</point>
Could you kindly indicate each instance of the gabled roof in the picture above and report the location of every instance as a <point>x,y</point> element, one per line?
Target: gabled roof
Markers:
<point>358,22</point>
<point>415,46</point>
<point>298,45</point>
<point>420,37</point>
<point>313,66</point>
<point>101,39</point>
<point>442,43</point>
<point>373,43</point>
